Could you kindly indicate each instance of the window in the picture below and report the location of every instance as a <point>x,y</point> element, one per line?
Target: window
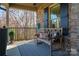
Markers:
<point>55,16</point>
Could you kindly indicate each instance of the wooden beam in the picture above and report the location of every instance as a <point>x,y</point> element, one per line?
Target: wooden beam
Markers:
<point>53,5</point>
<point>49,17</point>
<point>43,5</point>
<point>7,15</point>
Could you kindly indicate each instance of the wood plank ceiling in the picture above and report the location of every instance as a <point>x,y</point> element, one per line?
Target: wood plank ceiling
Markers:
<point>30,6</point>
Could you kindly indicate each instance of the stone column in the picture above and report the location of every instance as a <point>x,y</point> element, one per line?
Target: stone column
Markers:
<point>74,28</point>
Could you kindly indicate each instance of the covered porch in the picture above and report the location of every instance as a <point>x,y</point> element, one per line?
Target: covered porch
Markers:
<point>26,20</point>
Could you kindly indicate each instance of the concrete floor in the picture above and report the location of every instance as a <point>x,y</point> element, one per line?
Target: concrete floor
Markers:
<point>31,48</point>
<point>28,48</point>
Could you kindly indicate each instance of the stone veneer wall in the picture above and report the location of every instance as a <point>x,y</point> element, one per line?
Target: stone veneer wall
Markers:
<point>74,28</point>
<point>40,13</point>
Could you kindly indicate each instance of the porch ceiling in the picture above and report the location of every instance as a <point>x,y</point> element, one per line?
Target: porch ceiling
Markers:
<point>31,6</point>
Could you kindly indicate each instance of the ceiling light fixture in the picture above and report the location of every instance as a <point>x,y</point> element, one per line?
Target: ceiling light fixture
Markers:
<point>34,4</point>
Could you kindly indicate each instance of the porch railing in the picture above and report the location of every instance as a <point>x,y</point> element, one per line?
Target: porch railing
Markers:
<point>22,33</point>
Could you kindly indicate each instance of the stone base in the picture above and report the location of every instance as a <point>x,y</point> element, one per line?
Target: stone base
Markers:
<point>73,52</point>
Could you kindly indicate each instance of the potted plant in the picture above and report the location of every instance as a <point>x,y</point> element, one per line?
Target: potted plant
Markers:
<point>11,34</point>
